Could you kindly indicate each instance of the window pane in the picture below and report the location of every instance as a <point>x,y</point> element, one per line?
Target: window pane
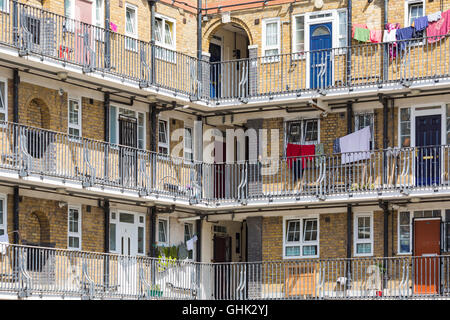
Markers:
<point>293,233</point>
<point>2,96</point>
<point>188,227</point>
<point>158,30</point>
<point>363,227</point>
<point>405,239</point>
<point>130,21</point>
<point>310,230</point>
<point>112,236</point>
<point>126,217</point>
<point>404,218</point>
<point>162,132</point>
<point>168,33</point>
<point>73,220</point>
<point>309,250</point>
<point>363,248</point>
<point>272,34</point>
<point>272,52</point>
<point>73,112</point>
<point>74,242</point>
<point>342,29</point>
<point>300,33</point>
<point>140,240</point>
<point>292,251</point>
<point>162,230</point>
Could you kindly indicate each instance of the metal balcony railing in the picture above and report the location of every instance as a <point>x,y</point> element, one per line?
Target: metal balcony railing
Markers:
<point>401,171</point>
<point>34,31</point>
<point>37,271</point>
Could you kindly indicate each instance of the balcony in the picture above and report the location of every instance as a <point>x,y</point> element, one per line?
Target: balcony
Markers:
<point>58,160</point>
<point>27,272</point>
<point>106,55</point>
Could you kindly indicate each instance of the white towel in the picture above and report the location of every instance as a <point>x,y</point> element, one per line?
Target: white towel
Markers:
<point>390,36</point>
<point>4,241</point>
<point>190,244</point>
<point>358,142</point>
<point>434,16</point>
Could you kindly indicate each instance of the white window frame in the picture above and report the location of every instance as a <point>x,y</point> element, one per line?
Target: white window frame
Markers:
<point>408,3</point>
<point>74,234</point>
<point>298,54</point>
<point>118,113</point>
<point>301,243</point>
<point>71,125</point>
<point>186,149</point>
<point>113,219</point>
<point>166,144</point>
<point>6,8</point>
<point>357,241</point>
<point>193,233</point>
<point>138,225</point>
<point>5,98</point>
<point>167,242</point>
<point>131,35</point>
<point>270,59</point>
<point>4,226</point>
<point>303,123</point>
<point>162,43</point>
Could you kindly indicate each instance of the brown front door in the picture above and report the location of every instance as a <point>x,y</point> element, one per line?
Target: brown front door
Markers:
<point>222,253</point>
<point>427,234</point>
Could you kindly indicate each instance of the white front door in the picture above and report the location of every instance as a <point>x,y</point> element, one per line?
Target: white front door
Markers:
<point>127,230</point>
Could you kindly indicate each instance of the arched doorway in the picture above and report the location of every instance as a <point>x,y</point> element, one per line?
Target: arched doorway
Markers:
<point>37,229</point>
<point>228,47</point>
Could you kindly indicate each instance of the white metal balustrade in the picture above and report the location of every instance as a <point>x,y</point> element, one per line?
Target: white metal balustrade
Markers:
<point>28,271</point>
<point>30,151</point>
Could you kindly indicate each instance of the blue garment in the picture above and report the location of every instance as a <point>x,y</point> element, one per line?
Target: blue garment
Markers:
<point>404,34</point>
<point>337,146</point>
<point>421,23</point>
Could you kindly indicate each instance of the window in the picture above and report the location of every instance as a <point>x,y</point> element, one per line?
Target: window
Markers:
<point>98,19</point>
<point>141,234</point>
<point>299,36</point>
<point>342,36</point>
<point>163,231</point>
<point>363,120</point>
<point>414,9</point>
<point>4,5</point>
<point>405,127</point>
<point>74,234</point>
<point>271,39</point>
<point>3,100</point>
<point>165,32</point>
<point>363,234</point>
<point>3,215</point>
<point>114,114</point>
<point>302,131</point>
<point>188,234</point>
<point>74,117</point>
<point>301,238</point>
<point>69,13</point>
<point>188,154</point>
<point>163,142</point>
<point>130,27</point>
<point>112,232</point>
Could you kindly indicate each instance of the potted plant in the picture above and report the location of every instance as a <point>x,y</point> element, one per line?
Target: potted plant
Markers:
<point>156,291</point>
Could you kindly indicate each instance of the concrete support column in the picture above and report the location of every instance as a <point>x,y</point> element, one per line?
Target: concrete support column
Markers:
<point>253,70</point>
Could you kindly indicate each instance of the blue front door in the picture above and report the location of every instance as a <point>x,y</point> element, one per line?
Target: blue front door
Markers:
<point>320,47</point>
<point>428,140</point>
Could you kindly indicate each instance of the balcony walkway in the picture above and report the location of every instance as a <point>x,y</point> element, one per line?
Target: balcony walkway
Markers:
<point>40,157</point>
<point>102,56</point>
<point>42,273</point>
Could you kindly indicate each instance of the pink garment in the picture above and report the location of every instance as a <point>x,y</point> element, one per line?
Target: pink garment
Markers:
<point>437,30</point>
<point>376,36</point>
<point>392,46</point>
<point>358,25</point>
<point>113,27</point>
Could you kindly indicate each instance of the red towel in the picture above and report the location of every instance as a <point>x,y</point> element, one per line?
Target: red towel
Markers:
<point>292,150</point>
<point>307,150</point>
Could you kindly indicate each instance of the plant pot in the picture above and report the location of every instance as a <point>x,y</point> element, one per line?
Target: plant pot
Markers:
<point>156,293</point>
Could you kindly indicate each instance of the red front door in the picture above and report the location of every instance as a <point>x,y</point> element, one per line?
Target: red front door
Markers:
<point>427,234</point>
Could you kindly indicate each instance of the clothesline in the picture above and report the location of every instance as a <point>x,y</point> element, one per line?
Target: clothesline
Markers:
<point>436,25</point>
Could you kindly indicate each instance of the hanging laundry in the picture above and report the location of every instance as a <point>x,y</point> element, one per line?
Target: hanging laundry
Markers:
<point>4,242</point>
<point>420,23</point>
<point>113,27</point>
<point>336,146</point>
<point>390,36</point>
<point>434,16</point>
<point>437,30</point>
<point>305,151</point>
<point>358,144</point>
<point>292,152</point>
<point>403,35</point>
<point>358,25</point>
<point>375,36</point>
<point>362,35</point>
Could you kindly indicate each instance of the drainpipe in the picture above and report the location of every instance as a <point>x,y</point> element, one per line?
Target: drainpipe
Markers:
<point>152,248</point>
<point>107,35</point>
<point>349,37</point>
<point>349,206</point>
<point>106,212</point>
<point>152,4</point>
<point>386,48</point>
<point>199,48</point>
<point>198,228</point>
<point>16,81</point>
<point>106,106</point>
